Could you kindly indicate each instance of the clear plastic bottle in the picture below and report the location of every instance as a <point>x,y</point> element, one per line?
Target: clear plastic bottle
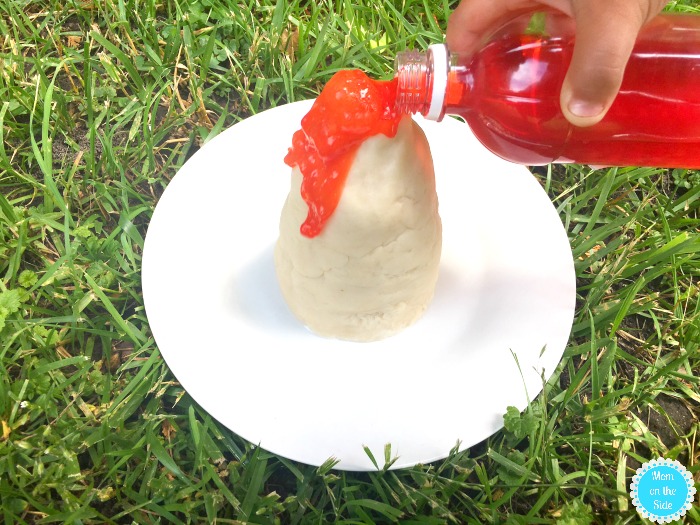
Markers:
<point>508,92</point>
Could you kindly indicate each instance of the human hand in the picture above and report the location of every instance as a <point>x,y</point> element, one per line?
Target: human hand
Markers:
<point>606,31</point>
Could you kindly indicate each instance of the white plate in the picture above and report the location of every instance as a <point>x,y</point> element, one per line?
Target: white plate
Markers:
<point>507,285</point>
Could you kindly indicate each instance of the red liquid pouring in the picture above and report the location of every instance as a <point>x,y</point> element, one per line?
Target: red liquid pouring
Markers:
<point>351,108</point>
<point>508,93</point>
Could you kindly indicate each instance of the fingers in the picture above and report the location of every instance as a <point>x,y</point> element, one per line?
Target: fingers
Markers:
<point>473,20</point>
<point>470,22</point>
<point>606,31</point>
<point>605,35</point>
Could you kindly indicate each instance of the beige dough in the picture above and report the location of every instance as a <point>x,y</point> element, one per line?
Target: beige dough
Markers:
<point>372,270</point>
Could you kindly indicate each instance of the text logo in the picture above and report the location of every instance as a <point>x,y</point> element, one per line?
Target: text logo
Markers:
<point>662,490</point>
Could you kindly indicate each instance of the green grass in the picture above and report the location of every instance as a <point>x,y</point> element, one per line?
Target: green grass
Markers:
<point>102,102</point>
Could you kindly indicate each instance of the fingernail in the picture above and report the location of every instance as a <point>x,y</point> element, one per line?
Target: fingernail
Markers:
<point>585,109</point>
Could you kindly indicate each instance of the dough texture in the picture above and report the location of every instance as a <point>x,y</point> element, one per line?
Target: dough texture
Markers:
<point>372,271</point>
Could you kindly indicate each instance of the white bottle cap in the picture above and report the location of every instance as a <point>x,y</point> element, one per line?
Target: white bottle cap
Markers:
<point>439,74</point>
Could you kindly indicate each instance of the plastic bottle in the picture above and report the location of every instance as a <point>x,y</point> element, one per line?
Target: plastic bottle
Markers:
<point>508,92</point>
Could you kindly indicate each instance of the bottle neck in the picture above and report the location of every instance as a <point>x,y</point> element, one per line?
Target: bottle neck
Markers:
<point>422,81</point>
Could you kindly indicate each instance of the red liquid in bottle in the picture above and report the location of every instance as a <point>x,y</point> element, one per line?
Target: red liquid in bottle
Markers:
<point>509,91</point>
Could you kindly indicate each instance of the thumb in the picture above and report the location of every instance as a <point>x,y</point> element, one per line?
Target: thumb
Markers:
<point>605,35</point>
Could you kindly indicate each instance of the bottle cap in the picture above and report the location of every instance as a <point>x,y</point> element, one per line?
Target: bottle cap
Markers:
<point>440,68</point>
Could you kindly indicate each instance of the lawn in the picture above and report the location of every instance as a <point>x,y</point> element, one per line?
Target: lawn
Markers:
<point>102,102</point>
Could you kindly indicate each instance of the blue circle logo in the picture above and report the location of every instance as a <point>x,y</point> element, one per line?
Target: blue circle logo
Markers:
<point>662,490</point>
